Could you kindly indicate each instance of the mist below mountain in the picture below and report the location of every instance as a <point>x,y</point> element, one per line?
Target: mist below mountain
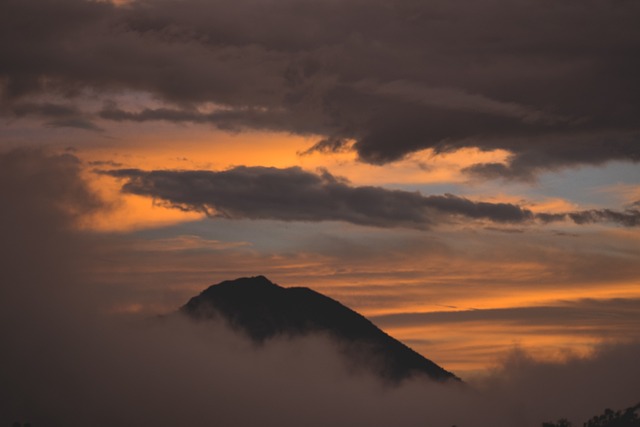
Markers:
<point>262,310</point>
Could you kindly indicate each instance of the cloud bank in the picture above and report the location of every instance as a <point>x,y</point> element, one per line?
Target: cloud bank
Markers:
<point>292,194</point>
<point>394,76</point>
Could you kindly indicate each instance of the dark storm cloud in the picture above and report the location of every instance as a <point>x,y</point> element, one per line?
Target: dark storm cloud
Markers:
<point>225,119</point>
<point>554,83</point>
<point>46,109</point>
<point>77,122</point>
<point>57,115</point>
<point>293,194</point>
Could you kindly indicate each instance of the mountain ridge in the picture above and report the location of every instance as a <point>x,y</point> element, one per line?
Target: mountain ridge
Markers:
<point>262,310</point>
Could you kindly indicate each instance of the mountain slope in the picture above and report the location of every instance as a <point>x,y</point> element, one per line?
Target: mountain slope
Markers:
<point>263,310</point>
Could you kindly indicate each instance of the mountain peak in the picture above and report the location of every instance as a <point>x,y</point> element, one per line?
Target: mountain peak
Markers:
<point>254,281</point>
<point>247,281</point>
<point>262,310</point>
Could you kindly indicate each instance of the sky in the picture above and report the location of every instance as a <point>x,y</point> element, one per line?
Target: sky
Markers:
<point>463,173</point>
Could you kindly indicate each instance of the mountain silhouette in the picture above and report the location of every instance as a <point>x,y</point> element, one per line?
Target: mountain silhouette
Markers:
<point>262,310</point>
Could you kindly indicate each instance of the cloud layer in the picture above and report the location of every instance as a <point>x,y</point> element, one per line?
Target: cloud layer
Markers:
<point>293,194</point>
<point>391,76</point>
<point>612,319</point>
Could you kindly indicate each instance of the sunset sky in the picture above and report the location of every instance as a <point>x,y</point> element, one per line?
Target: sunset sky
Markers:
<point>464,173</point>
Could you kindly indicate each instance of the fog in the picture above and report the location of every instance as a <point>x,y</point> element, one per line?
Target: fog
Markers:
<point>67,360</point>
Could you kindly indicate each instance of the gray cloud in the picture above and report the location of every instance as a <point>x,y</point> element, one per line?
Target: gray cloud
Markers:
<point>46,187</point>
<point>45,109</point>
<point>43,197</point>
<point>226,119</point>
<point>560,150</point>
<point>630,217</point>
<point>395,77</point>
<point>57,115</point>
<point>293,194</point>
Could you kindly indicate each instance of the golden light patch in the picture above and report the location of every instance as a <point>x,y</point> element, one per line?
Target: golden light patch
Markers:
<point>190,147</point>
<point>473,347</point>
<point>127,212</point>
<point>536,204</point>
<point>552,205</point>
<point>423,167</point>
<point>501,297</point>
<point>135,213</point>
<point>194,149</point>
<point>199,148</point>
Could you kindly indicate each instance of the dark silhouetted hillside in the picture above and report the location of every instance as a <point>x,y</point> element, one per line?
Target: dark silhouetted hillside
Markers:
<point>263,310</point>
